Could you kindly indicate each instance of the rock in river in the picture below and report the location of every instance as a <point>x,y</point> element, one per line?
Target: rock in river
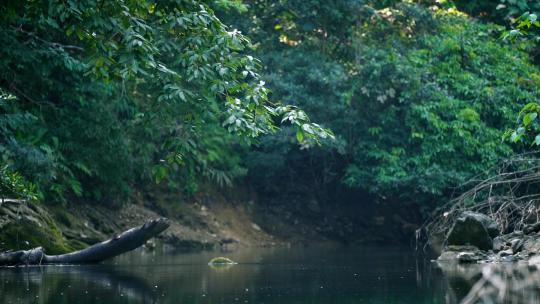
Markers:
<point>490,224</point>
<point>221,261</point>
<point>473,229</point>
<point>462,254</point>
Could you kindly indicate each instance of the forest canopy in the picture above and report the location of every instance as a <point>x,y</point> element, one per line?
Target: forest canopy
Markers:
<point>99,98</point>
<point>418,97</point>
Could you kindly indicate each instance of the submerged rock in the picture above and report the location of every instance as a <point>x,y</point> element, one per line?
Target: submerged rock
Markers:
<point>474,229</point>
<point>448,256</point>
<point>221,261</point>
<point>463,254</point>
<point>468,257</point>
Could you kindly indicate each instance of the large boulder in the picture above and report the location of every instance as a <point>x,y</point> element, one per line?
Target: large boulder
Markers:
<point>490,224</point>
<point>474,229</point>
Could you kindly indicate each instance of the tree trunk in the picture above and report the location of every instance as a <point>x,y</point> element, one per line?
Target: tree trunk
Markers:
<point>119,244</point>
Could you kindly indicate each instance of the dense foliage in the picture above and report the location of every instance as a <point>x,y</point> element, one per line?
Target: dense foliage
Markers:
<point>507,13</point>
<point>101,96</point>
<point>98,98</point>
<point>528,130</point>
<point>418,98</point>
<point>498,11</point>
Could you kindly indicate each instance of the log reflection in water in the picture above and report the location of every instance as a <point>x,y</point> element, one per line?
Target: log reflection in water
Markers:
<point>49,283</point>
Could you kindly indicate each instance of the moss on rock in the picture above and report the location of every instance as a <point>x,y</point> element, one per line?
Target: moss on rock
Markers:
<point>26,226</point>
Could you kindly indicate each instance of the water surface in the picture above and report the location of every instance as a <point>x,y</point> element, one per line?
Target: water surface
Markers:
<point>315,275</point>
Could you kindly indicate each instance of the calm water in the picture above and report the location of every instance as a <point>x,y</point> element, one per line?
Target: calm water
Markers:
<point>279,275</point>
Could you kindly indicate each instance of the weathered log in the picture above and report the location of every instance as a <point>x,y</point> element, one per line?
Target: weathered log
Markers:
<point>119,244</point>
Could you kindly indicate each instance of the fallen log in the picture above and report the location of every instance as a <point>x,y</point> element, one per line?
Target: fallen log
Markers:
<point>124,242</point>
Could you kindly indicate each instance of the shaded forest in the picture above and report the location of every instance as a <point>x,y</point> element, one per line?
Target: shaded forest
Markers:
<point>310,105</point>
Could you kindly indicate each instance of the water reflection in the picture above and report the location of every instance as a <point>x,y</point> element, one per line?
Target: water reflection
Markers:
<point>494,283</point>
<point>459,279</point>
<point>298,275</point>
<point>69,284</point>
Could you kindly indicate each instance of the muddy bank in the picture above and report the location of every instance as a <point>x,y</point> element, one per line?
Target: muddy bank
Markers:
<point>227,219</point>
<point>194,226</point>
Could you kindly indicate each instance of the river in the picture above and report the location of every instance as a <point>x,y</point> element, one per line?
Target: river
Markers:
<point>314,275</point>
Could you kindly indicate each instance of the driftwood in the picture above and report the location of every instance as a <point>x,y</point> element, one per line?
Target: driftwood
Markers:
<point>119,244</point>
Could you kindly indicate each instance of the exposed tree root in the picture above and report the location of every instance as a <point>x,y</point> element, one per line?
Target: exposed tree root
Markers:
<point>509,193</point>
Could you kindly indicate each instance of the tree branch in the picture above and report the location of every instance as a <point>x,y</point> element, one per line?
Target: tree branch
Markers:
<point>117,245</point>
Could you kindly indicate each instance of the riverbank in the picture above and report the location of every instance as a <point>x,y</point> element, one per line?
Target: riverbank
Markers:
<point>214,218</point>
<point>211,220</point>
<point>486,262</point>
<point>477,238</point>
<point>194,226</point>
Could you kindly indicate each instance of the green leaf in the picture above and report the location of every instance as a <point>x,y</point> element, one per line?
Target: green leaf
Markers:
<point>159,173</point>
<point>514,137</point>
<point>530,117</point>
<point>537,140</point>
<point>299,136</point>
